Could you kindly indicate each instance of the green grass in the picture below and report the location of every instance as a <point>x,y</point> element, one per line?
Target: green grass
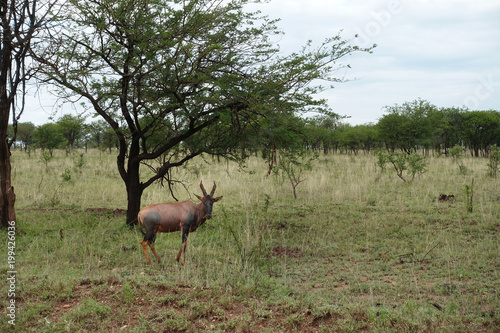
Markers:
<point>358,250</point>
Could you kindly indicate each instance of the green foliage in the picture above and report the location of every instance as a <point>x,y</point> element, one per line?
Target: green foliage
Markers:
<point>128,293</point>
<point>403,163</point>
<point>292,165</point>
<point>48,136</point>
<point>480,129</point>
<point>89,310</point>
<point>382,160</point>
<point>71,128</point>
<point>494,161</point>
<point>457,153</point>
<point>25,133</point>
<point>321,130</point>
<point>45,158</point>
<point>469,195</point>
<point>417,164</point>
<point>66,176</point>
<point>79,163</point>
<point>407,126</point>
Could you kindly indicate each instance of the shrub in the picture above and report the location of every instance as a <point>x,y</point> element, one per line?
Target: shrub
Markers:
<point>494,161</point>
<point>412,164</point>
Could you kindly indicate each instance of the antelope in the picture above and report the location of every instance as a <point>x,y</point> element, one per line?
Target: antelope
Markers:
<point>185,216</point>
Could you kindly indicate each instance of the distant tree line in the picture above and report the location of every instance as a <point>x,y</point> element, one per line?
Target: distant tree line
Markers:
<point>412,126</point>
<point>67,132</point>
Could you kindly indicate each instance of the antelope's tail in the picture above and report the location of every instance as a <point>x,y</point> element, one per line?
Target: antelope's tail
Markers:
<point>141,226</point>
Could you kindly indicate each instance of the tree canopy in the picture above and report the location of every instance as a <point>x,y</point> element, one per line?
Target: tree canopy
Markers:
<point>408,125</point>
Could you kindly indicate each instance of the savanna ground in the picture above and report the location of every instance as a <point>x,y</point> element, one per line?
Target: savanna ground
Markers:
<point>358,250</point>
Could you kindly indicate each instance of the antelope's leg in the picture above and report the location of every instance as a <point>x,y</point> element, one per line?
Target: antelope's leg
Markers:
<point>152,246</point>
<point>144,244</point>
<point>185,234</point>
<point>182,251</point>
<point>151,223</point>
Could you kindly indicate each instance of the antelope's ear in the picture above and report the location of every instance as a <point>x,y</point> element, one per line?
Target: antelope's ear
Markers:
<point>217,199</point>
<point>198,196</point>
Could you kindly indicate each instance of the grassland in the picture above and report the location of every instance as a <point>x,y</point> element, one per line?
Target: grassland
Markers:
<point>358,250</point>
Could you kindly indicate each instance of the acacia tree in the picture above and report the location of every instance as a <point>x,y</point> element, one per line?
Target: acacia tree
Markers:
<point>322,130</point>
<point>48,136</point>
<point>407,126</point>
<point>25,133</point>
<point>20,22</point>
<point>71,128</point>
<point>203,74</point>
<point>480,129</point>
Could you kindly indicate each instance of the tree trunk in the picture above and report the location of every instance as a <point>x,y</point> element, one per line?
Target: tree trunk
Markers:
<point>134,193</point>
<point>7,196</point>
<point>133,183</point>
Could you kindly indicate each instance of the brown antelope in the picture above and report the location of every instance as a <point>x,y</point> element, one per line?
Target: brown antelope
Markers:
<point>168,217</point>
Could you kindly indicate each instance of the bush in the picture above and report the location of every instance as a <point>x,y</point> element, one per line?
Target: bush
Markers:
<point>411,164</point>
<point>494,161</point>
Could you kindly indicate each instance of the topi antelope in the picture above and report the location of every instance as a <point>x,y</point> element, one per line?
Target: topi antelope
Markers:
<point>168,217</point>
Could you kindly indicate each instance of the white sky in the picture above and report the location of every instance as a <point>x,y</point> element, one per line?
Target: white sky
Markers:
<point>443,51</point>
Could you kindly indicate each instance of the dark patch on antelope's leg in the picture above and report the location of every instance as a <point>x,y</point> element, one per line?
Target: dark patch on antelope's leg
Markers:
<point>150,222</point>
<point>152,244</point>
<point>185,233</point>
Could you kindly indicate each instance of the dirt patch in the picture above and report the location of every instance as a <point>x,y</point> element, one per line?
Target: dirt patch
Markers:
<point>279,251</point>
<point>109,211</point>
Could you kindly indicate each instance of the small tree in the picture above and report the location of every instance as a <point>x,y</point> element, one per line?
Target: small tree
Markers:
<point>25,134</point>
<point>45,158</point>
<point>71,129</point>
<point>407,126</point>
<point>494,161</point>
<point>48,136</point>
<point>479,130</point>
<point>292,165</point>
<point>404,164</point>
<point>457,153</point>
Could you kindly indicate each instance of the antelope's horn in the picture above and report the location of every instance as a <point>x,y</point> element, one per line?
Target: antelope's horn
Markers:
<point>213,190</point>
<point>203,189</point>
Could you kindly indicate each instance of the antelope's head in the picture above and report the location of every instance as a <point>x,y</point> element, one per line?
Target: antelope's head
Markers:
<point>208,200</point>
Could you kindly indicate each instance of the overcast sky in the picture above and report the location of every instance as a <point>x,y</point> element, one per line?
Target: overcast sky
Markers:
<point>443,51</point>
